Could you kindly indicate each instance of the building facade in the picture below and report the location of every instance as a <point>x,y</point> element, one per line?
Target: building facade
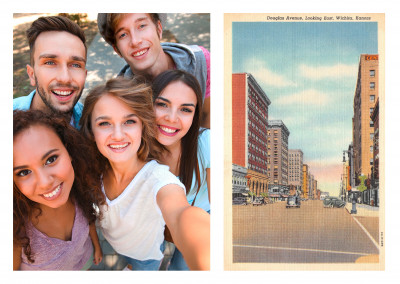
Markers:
<point>257,182</point>
<point>296,168</point>
<point>278,152</point>
<point>375,120</point>
<point>365,98</point>
<point>239,181</point>
<point>250,120</point>
<point>305,181</point>
<point>374,189</point>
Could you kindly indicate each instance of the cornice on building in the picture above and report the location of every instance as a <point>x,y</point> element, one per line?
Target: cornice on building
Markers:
<point>278,124</point>
<point>256,86</point>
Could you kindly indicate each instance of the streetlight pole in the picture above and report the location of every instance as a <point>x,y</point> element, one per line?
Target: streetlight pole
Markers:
<point>350,153</point>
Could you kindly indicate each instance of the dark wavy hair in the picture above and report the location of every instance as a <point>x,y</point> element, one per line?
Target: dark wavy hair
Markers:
<point>189,161</point>
<point>136,94</point>
<point>86,189</point>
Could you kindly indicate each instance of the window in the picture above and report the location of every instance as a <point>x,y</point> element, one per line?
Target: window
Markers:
<point>371,110</point>
<point>372,85</point>
<point>371,149</point>
<point>372,98</point>
<point>371,136</point>
<point>372,73</point>
<point>371,123</point>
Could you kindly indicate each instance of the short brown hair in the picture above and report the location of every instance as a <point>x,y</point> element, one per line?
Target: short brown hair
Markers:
<point>53,23</point>
<point>137,95</point>
<point>107,28</point>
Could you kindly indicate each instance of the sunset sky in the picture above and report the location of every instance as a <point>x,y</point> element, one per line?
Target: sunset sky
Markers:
<point>309,71</point>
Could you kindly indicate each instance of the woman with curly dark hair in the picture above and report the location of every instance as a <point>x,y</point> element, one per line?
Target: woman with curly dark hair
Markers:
<point>56,195</point>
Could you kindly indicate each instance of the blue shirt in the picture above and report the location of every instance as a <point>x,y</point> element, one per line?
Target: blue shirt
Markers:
<point>24,103</point>
<point>203,155</point>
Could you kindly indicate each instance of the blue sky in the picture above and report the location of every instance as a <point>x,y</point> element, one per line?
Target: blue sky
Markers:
<point>309,72</point>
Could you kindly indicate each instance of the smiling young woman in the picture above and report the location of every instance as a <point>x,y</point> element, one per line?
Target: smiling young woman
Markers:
<point>142,195</point>
<point>178,107</point>
<point>54,197</point>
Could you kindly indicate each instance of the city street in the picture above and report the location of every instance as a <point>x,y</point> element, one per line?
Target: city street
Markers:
<point>310,234</point>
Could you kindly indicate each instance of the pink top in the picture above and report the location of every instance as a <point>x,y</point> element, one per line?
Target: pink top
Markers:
<point>207,56</point>
<point>55,254</point>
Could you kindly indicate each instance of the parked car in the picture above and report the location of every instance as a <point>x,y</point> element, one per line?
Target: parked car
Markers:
<point>258,201</point>
<point>293,201</point>
<point>333,202</point>
<point>239,201</point>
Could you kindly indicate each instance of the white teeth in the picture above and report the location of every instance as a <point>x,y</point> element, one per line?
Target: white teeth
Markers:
<point>119,146</point>
<point>51,194</point>
<point>168,130</point>
<point>140,52</point>
<point>63,93</point>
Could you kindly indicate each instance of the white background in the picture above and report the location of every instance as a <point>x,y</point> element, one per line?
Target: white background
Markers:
<point>217,9</point>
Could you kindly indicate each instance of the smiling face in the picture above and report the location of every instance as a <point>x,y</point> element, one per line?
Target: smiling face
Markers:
<point>117,130</point>
<point>174,108</point>
<point>58,72</point>
<point>138,42</point>
<point>42,166</point>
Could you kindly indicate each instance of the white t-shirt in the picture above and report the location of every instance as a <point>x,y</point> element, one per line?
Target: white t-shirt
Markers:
<point>132,223</point>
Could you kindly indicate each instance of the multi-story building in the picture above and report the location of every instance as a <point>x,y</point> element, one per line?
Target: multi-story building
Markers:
<point>365,98</point>
<point>305,181</point>
<point>315,189</point>
<point>374,190</point>
<point>375,120</point>
<point>239,181</point>
<point>296,168</point>
<point>278,152</point>
<point>250,121</point>
<point>310,185</point>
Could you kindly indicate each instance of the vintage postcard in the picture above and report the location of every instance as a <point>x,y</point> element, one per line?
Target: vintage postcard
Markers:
<point>304,119</point>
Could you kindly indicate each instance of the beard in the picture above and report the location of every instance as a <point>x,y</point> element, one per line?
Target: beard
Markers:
<point>45,96</point>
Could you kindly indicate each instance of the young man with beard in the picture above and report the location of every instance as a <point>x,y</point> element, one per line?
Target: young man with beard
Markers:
<point>137,37</point>
<point>57,68</point>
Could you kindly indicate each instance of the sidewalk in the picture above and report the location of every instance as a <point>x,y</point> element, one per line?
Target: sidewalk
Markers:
<point>363,210</point>
<point>368,217</point>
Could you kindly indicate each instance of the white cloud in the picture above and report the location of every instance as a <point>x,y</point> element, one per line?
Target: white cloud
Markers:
<point>308,97</point>
<point>328,72</point>
<point>265,76</point>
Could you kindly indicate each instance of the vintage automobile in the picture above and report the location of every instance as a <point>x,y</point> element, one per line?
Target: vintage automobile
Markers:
<point>333,202</point>
<point>239,201</point>
<point>293,201</point>
<point>258,201</point>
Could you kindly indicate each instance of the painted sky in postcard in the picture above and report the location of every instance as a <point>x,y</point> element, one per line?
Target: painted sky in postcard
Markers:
<point>309,72</point>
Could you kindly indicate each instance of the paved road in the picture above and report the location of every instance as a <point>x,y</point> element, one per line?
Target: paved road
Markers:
<point>311,234</point>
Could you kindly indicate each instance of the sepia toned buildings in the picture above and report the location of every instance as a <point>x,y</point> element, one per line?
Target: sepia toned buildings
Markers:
<point>296,167</point>
<point>278,152</point>
<point>250,122</point>
<point>365,98</point>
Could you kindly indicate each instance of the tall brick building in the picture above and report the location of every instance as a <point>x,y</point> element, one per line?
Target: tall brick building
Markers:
<point>249,123</point>
<point>278,152</point>
<point>296,168</point>
<point>365,98</point>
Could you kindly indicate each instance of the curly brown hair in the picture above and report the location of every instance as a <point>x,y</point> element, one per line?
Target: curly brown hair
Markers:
<point>86,189</point>
<point>137,95</point>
